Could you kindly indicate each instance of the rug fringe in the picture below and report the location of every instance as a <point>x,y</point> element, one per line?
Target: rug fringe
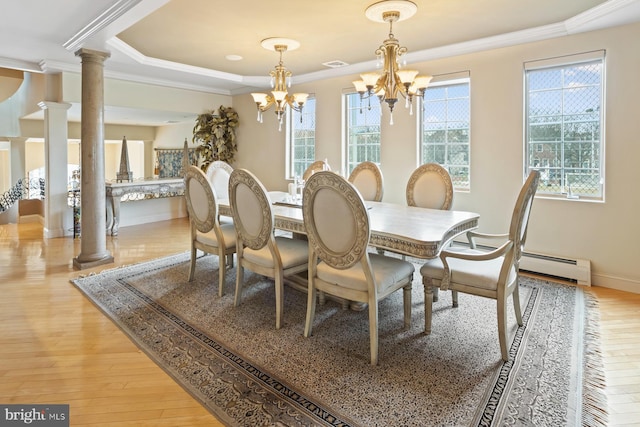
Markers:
<point>594,398</point>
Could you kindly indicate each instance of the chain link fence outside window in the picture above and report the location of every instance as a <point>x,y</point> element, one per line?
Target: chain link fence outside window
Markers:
<point>563,128</point>
<point>445,130</point>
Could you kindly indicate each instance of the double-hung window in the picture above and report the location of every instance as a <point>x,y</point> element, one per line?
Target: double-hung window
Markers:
<point>301,139</point>
<point>564,113</point>
<point>444,128</point>
<point>362,130</point>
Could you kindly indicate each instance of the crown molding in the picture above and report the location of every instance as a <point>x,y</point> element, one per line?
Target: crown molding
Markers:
<point>595,18</point>
<point>119,8</point>
<point>138,57</point>
<point>50,66</point>
<point>16,64</point>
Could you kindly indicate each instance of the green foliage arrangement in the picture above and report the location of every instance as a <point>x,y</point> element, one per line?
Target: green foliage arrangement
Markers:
<point>216,134</point>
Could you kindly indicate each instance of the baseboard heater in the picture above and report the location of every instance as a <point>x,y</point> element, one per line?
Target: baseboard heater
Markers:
<point>578,270</point>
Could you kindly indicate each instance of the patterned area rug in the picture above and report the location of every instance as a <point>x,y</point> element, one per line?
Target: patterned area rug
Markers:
<point>248,373</point>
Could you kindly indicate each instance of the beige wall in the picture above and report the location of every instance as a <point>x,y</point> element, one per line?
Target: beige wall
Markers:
<point>605,233</point>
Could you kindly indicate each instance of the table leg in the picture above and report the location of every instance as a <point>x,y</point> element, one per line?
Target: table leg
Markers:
<point>109,206</point>
<point>115,205</point>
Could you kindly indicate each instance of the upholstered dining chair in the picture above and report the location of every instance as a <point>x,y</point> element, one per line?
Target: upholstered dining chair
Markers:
<point>207,233</point>
<point>491,274</point>
<point>337,224</point>
<point>258,249</point>
<point>318,165</point>
<point>430,186</point>
<point>218,173</point>
<point>367,178</point>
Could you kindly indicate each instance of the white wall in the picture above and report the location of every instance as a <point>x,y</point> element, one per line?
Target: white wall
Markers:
<point>605,233</point>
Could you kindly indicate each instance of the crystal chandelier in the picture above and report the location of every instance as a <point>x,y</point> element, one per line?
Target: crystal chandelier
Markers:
<point>280,81</point>
<point>393,79</point>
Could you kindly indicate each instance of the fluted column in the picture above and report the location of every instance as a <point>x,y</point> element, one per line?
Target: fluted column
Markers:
<point>93,247</point>
<point>57,215</point>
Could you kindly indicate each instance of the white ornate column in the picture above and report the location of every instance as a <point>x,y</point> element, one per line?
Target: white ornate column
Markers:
<point>57,215</point>
<point>93,248</point>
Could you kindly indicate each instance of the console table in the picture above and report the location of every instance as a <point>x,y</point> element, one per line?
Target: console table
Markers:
<point>117,192</point>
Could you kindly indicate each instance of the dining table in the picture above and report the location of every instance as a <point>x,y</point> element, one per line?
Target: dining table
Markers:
<point>405,230</point>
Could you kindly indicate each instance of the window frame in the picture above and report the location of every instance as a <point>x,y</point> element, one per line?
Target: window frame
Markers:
<point>363,104</point>
<point>448,80</point>
<point>565,62</point>
<point>291,120</point>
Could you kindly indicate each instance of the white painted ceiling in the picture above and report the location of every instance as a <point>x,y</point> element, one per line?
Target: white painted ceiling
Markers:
<point>183,43</point>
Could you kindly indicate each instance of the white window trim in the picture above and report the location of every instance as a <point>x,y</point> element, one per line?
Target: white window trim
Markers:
<point>560,61</point>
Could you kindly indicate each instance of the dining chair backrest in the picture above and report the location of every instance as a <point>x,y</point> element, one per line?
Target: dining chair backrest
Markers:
<point>201,200</point>
<point>318,165</point>
<point>430,186</point>
<point>218,173</point>
<point>251,209</point>
<point>521,212</point>
<point>336,220</point>
<point>367,178</point>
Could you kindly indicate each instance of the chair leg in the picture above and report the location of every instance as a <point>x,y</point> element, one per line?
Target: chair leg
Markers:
<point>454,298</point>
<point>222,270</point>
<point>279,281</point>
<point>373,331</point>
<point>502,326</point>
<point>406,297</point>
<point>322,298</point>
<point>311,310</point>
<point>239,280</point>
<point>192,269</point>
<point>516,304</point>
<point>428,304</point>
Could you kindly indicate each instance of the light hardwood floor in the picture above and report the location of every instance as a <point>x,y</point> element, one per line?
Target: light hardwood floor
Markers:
<point>57,347</point>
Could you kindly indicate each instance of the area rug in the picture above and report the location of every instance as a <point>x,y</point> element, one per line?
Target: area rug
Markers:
<point>247,373</point>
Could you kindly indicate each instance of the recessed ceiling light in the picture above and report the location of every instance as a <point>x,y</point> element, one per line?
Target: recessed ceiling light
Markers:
<point>233,57</point>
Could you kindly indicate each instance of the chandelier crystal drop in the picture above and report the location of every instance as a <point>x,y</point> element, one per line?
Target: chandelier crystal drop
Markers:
<point>393,80</point>
<point>280,81</point>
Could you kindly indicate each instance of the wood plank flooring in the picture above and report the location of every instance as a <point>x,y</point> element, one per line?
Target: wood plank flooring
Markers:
<point>57,347</point>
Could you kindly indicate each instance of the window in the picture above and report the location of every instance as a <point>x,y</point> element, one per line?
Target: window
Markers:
<point>363,130</point>
<point>445,129</point>
<point>564,116</point>
<point>301,138</point>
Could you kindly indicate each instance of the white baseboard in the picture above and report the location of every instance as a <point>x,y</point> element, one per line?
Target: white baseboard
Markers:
<point>53,233</point>
<point>614,282</point>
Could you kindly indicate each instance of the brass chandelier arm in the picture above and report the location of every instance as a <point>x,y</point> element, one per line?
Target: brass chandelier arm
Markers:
<point>393,79</point>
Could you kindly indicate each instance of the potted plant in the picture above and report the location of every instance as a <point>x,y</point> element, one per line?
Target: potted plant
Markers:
<point>216,134</point>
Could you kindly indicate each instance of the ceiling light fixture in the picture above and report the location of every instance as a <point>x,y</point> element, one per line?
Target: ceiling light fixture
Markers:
<point>280,81</point>
<point>393,79</point>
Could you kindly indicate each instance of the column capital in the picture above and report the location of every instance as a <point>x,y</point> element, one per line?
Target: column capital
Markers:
<point>51,105</point>
<point>85,53</point>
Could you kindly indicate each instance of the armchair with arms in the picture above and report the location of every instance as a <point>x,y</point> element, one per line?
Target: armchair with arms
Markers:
<point>491,274</point>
